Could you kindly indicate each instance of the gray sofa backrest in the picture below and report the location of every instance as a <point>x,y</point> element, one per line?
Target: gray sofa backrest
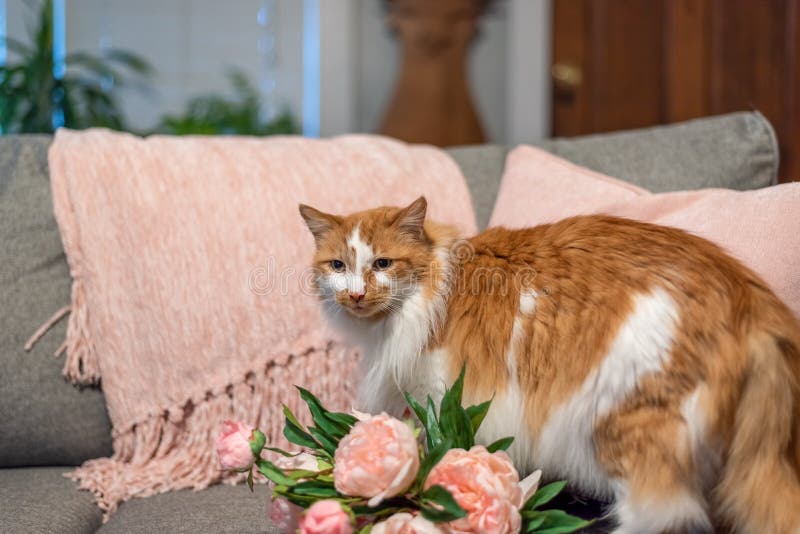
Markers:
<point>735,151</point>
<point>43,419</point>
<point>46,421</point>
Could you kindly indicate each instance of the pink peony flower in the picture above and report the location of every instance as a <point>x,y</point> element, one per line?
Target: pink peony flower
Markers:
<point>326,517</point>
<point>486,485</point>
<point>405,523</point>
<point>233,445</point>
<point>284,515</point>
<point>378,459</point>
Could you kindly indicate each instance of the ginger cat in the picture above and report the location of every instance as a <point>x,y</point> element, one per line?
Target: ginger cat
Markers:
<point>639,362</point>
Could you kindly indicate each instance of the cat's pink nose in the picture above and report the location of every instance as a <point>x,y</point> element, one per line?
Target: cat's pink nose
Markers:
<point>356,297</point>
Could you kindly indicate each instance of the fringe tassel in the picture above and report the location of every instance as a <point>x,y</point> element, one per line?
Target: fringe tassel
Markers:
<point>81,365</point>
<point>42,330</point>
<point>175,450</point>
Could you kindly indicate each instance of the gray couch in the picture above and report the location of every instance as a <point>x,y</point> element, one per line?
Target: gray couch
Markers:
<point>47,425</point>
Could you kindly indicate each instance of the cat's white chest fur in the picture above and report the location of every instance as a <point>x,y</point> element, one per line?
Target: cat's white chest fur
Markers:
<point>394,355</point>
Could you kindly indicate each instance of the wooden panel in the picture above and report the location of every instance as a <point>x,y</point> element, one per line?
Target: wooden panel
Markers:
<point>686,59</point>
<point>626,64</point>
<point>751,62</point>
<point>790,162</point>
<point>748,47</point>
<point>571,100</point>
<point>647,62</point>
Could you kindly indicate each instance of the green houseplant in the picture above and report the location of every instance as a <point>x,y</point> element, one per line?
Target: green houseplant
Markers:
<point>34,100</point>
<point>219,115</point>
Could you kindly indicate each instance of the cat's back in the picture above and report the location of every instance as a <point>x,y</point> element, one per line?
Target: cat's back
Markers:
<point>575,284</point>
<point>611,238</point>
<point>600,252</point>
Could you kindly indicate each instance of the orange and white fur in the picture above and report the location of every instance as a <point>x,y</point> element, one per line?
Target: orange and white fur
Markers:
<point>639,362</point>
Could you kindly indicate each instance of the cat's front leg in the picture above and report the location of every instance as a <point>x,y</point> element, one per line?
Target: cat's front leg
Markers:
<point>379,393</point>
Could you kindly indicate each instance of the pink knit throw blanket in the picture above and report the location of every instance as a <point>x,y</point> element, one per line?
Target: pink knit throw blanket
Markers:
<point>190,294</point>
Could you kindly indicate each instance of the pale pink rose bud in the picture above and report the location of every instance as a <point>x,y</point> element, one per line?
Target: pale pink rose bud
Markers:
<point>326,517</point>
<point>486,485</point>
<point>284,515</point>
<point>233,445</point>
<point>302,461</point>
<point>405,523</point>
<point>361,416</point>
<point>378,459</point>
<point>529,485</point>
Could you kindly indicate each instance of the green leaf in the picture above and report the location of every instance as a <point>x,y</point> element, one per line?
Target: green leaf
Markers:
<point>438,505</point>
<point>310,399</point>
<point>453,419</point>
<point>257,442</point>
<point>297,436</point>
<point>328,444</point>
<point>334,430</point>
<point>293,431</point>
<point>343,418</point>
<point>417,408</point>
<point>315,488</point>
<point>433,430</point>
<point>534,522</point>
<point>250,480</point>
<point>457,389</point>
<point>281,452</point>
<point>303,501</point>
<point>544,495</point>
<point>291,417</point>
<point>501,444</point>
<point>478,413</point>
<point>557,522</point>
<point>433,457</point>
<point>272,472</point>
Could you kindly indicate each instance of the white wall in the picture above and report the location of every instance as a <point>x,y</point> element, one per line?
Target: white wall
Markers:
<point>528,56</point>
<point>192,42</point>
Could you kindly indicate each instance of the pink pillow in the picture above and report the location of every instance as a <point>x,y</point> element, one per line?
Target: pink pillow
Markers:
<point>761,228</point>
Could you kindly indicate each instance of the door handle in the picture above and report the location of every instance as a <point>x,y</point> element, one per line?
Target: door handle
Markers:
<point>566,76</point>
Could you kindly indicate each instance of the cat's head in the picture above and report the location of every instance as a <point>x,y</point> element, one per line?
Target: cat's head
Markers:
<point>368,263</point>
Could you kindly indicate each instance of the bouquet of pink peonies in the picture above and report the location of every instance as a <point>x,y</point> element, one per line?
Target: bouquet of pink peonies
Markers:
<point>375,474</point>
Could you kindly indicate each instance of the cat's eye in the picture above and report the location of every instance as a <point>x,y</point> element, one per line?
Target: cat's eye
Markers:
<point>337,265</point>
<point>381,263</point>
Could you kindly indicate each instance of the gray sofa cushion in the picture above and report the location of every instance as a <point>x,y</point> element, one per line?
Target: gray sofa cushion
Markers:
<point>736,151</point>
<point>43,419</point>
<point>482,166</point>
<point>218,509</point>
<point>37,500</point>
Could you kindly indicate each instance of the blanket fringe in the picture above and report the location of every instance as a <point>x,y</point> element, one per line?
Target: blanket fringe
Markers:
<point>175,450</point>
<point>81,364</point>
<point>47,325</point>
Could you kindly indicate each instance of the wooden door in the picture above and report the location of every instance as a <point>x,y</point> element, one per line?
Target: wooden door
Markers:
<point>620,64</point>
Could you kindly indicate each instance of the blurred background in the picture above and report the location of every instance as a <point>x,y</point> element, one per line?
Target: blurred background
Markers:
<point>446,72</point>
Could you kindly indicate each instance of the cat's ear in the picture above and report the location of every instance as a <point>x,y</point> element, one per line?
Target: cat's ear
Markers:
<point>411,219</point>
<point>318,222</point>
